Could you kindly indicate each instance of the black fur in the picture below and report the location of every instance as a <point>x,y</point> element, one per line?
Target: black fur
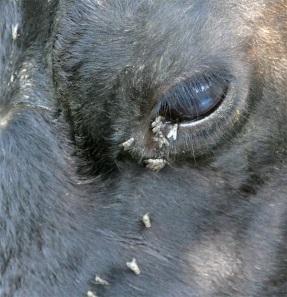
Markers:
<point>80,77</point>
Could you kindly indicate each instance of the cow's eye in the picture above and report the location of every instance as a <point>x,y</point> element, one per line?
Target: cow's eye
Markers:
<point>193,99</point>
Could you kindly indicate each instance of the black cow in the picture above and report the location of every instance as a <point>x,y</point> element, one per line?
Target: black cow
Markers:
<point>143,148</point>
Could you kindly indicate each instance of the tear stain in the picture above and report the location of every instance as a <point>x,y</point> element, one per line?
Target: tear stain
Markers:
<point>15,31</point>
<point>128,144</point>
<point>5,119</point>
<point>100,3</point>
<point>146,220</point>
<point>133,266</point>
<point>157,126</point>
<point>172,134</point>
<point>155,164</point>
<point>100,281</point>
<point>91,294</point>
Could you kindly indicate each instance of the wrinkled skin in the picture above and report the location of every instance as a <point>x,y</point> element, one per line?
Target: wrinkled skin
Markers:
<point>78,78</point>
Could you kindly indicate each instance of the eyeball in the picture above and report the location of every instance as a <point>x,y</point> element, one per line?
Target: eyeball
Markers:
<point>193,99</point>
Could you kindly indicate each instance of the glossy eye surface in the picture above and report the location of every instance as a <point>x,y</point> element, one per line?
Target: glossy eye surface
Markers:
<point>193,99</point>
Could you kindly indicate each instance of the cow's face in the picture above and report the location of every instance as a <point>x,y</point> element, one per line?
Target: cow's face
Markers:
<point>198,87</point>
